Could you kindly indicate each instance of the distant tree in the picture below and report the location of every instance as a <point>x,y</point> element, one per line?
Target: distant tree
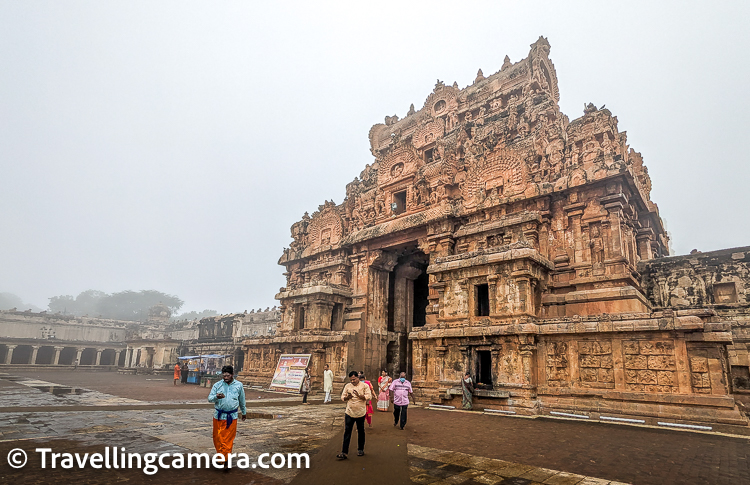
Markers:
<point>132,305</point>
<point>9,300</point>
<point>195,315</point>
<point>124,305</point>
<point>63,304</point>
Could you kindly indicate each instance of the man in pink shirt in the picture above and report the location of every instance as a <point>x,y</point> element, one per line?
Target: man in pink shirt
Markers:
<point>401,389</point>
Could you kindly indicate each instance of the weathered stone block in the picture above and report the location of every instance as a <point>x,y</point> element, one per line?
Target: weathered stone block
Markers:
<point>595,348</point>
<point>647,377</point>
<point>700,380</point>
<point>631,376</point>
<point>636,362</point>
<point>606,375</point>
<point>635,387</point>
<point>656,348</point>
<point>665,378</point>
<point>661,362</point>
<point>585,347</point>
<point>590,361</point>
<point>606,361</point>
<point>698,364</point>
<point>589,375</point>
<point>630,347</point>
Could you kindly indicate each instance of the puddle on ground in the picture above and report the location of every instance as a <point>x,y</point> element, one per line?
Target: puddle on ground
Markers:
<point>60,390</point>
<point>262,416</point>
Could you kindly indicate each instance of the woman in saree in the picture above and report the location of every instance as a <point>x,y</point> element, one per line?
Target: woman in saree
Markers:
<point>368,414</point>
<point>467,386</point>
<point>305,387</point>
<point>384,383</point>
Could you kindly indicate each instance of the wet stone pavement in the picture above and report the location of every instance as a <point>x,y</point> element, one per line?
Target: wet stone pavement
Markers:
<point>440,467</point>
<point>87,412</point>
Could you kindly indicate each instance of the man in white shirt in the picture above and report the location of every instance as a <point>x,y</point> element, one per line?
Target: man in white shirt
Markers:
<point>327,383</point>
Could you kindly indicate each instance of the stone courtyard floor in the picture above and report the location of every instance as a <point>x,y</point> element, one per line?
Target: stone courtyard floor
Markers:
<point>82,412</point>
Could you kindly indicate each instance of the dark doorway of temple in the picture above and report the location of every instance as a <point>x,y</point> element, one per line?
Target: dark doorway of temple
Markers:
<point>407,305</point>
<point>484,367</point>
<point>239,360</point>
<point>391,301</point>
<point>482,299</point>
<point>421,292</point>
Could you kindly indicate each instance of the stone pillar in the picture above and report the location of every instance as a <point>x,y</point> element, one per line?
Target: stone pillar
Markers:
<point>34,351</point>
<point>98,357</point>
<point>78,356</point>
<point>117,357</point>
<point>56,358</point>
<point>9,355</point>
<point>527,355</point>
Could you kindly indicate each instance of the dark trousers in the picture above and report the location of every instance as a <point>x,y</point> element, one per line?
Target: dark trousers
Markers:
<point>304,397</point>
<point>399,410</point>
<point>348,425</point>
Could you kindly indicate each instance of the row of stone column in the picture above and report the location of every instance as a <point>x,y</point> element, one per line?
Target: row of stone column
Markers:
<point>56,359</point>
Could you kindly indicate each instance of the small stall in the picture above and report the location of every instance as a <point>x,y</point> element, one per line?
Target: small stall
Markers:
<point>204,370</point>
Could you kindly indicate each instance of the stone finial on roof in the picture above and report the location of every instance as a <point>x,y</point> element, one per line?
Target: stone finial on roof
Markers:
<point>411,110</point>
<point>589,108</point>
<point>506,63</point>
<point>480,76</point>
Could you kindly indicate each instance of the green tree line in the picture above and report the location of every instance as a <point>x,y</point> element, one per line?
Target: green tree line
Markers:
<point>124,305</point>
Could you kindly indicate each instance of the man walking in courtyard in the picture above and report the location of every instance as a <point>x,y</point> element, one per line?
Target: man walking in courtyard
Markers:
<point>401,389</point>
<point>228,397</point>
<point>355,395</point>
<point>177,373</point>
<point>327,383</point>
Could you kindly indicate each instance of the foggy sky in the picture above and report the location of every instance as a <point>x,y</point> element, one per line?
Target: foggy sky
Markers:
<point>171,145</point>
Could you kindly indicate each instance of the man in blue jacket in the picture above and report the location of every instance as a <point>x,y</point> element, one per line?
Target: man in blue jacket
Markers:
<point>228,397</point>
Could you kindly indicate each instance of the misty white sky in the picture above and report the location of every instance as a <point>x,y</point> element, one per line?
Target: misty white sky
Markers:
<point>170,145</point>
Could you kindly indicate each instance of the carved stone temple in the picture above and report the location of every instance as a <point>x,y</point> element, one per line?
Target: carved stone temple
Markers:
<point>492,234</point>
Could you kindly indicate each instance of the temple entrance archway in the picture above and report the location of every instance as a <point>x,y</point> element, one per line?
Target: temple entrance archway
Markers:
<point>407,306</point>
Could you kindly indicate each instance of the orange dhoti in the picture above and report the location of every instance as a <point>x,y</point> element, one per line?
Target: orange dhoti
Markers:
<point>224,436</point>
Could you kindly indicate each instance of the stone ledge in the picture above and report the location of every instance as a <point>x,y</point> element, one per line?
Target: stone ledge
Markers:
<point>340,336</point>
<point>625,396</point>
<point>491,258</point>
<point>318,289</point>
<point>481,393</point>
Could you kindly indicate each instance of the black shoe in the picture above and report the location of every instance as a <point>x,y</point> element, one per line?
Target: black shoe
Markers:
<point>395,424</point>
<point>360,452</point>
<point>402,428</point>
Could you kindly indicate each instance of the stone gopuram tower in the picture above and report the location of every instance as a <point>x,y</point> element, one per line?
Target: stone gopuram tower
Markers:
<point>492,235</point>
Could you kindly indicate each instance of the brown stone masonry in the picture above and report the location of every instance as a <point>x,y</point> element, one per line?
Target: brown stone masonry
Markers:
<point>493,235</point>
